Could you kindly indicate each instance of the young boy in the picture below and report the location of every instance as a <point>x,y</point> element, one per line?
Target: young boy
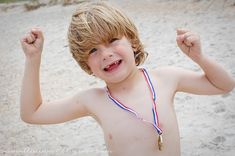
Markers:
<point>135,109</point>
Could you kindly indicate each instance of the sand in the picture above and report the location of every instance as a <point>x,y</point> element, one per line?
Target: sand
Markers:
<point>206,123</point>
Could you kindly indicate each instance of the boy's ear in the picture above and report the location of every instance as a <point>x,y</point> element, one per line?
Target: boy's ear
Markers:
<point>134,49</point>
<point>136,54</point>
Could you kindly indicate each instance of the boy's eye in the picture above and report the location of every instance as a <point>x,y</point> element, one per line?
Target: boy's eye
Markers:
<point>92,50</point>
<point>114,39</point>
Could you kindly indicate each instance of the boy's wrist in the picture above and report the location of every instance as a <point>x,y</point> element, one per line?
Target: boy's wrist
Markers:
<point>33,60</point>
<point>200,59</point>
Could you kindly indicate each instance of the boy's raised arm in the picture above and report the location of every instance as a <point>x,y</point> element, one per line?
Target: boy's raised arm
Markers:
<point>30,100</point>
<point>33,110</point>
<point>214,80</point>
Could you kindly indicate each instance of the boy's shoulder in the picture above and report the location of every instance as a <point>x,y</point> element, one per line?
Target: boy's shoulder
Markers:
<point>91,98</point>
<point>166,71</point>
<point>167,75</point>
<point>91,94</point>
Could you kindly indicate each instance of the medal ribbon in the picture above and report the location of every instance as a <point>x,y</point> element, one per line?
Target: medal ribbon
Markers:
<point>154,110</point>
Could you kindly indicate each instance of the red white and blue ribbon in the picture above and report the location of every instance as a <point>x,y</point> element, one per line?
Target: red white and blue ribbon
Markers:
<point>154,109</point>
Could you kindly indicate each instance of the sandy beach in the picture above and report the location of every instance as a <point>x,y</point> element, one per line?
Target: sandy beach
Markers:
<point>206,123</point>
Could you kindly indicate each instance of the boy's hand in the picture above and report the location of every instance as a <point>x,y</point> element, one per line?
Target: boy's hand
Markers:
<point>189,43</point>
<point>32,43</point>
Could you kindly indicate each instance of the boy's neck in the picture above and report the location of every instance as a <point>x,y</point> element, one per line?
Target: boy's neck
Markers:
<point>128,83</point>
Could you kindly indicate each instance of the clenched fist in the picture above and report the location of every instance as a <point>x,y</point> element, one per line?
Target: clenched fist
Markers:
<point>32,43</point>
<point>189,43</point>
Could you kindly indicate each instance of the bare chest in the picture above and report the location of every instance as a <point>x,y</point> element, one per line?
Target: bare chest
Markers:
<point>126,134</point>
<point>123,131</point>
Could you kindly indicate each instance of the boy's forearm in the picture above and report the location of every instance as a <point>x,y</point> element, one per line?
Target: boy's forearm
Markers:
<point>30,92</point>
<point>216,74</point>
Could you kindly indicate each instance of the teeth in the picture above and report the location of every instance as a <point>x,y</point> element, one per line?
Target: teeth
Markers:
<point>112,63</point>
<point>115,63</point>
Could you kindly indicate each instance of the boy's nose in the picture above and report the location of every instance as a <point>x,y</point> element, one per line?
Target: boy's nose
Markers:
<point>107,57</point>
<point>107,54</point>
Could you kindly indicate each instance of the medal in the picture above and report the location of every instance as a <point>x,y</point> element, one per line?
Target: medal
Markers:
<point>155,124</point>
<point>160,142</point>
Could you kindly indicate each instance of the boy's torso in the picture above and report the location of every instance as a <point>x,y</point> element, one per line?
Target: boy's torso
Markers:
<point>125,134</point>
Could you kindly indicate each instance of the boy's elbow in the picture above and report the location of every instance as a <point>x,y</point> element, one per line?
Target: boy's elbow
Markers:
<point>232,86</point>
<point>229,88</point>
<point>27,119</point>
<point>30,121</point>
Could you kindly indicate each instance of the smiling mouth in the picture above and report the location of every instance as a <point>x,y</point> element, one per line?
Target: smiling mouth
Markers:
<point>112,66</point>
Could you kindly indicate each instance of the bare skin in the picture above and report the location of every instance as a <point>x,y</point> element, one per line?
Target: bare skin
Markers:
<point>124,134</point>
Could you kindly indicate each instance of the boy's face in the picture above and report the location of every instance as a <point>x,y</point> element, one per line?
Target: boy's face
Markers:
<point>112,62</point>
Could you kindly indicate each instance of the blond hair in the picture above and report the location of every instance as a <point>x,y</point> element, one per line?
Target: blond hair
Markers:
<point>96,23</point>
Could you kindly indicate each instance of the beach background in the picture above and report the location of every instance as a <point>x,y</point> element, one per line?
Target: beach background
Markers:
<point>206,123</point>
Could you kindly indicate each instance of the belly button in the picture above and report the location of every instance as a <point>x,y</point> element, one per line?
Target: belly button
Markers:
<point>110,137</point>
